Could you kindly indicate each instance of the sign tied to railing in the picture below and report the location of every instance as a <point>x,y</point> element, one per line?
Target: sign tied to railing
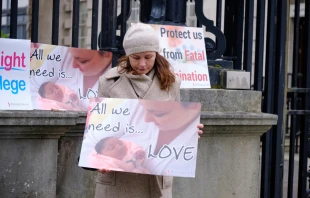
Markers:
<point>49,77</point>
<point>14,74</point>
<point>64,78</point>
<point>184,48</point>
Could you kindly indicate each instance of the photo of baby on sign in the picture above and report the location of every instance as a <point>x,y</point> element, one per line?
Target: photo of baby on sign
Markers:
<point>141,136</point>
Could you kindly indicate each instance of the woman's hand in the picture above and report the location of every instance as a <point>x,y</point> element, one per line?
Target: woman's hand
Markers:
<point>103,171</point>
<point>200,126</point>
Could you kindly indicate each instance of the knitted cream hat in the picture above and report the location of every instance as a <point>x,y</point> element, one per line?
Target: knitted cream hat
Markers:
<point>140,38</point>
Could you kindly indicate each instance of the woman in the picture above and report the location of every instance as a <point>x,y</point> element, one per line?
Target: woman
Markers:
<point>78,70</point>
<point>144,74</point>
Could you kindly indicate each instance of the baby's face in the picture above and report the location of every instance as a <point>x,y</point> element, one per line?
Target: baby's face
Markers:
<point>53,92</point>
<point>115,148</point>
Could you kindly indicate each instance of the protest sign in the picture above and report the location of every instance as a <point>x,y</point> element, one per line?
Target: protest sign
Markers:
<point>141,136</point>
<point>14,74</point>
<point>184,48</point>
<point>64,78</point>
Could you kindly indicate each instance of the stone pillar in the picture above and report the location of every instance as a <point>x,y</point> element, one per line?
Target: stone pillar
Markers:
<point>39,150</point>
<point>229,150</point>
<point>37,159</point>
<point>73,181</point>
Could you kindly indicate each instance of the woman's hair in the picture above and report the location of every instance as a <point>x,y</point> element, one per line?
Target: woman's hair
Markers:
<point>162,70</point>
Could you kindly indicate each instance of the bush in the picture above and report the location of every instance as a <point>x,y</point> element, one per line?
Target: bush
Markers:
<point>4,35</point>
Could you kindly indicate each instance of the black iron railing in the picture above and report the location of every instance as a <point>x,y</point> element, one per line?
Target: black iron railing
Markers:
<point>303,188</point>
<point>55,22</point>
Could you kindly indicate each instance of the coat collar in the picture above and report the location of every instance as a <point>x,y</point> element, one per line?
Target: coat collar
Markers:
<point>113,73</point>
<point>122,88</point>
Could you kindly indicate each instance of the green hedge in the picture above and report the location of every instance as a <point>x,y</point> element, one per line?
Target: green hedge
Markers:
<point>4,35</point>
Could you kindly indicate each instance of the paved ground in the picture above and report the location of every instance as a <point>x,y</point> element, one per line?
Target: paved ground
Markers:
<point>285,176</point>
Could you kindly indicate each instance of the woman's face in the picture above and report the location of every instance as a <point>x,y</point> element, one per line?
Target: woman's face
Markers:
<point>115,148</point>
<point>143,62</point>
<point>90,62</point>
<point>166,116</point>
<point>53,92</point>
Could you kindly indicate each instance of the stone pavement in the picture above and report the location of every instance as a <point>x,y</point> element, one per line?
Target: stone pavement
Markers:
<point>285,174</point>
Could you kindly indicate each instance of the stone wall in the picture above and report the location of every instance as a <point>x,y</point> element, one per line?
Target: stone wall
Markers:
<point>39,150</point>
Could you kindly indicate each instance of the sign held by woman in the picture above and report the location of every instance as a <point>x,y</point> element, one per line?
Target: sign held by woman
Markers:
<point>141,136</point>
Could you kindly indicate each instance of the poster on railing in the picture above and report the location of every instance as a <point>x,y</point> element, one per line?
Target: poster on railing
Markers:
<point>184,48</point>
<point>141,136</point>
<point>64,78</point>
<point>14,74</point>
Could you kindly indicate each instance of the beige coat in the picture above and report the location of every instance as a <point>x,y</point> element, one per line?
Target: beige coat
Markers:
<point>118,184</point>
